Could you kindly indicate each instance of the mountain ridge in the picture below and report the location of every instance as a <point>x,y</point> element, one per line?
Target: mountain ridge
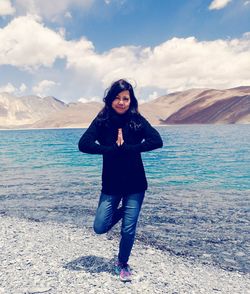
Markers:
<point>192,106</point>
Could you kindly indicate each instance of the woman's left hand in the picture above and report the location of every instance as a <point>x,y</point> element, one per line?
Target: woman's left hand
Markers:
<point>120,140</point>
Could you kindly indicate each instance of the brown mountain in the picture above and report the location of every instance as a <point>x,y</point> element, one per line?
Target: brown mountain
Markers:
<point>20,111</point>
<point>200,106</point>
<point>214,106</point>
<point>75,115</point>
<point>186,107</point>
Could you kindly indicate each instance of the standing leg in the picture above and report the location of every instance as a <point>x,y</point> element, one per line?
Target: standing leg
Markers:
<point>107,214</point>
<point>131,209</point>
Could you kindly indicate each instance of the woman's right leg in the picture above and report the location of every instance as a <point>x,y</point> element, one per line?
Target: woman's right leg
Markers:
<point>107,213</point>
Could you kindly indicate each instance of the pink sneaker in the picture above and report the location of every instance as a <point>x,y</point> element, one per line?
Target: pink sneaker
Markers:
<point>125,273</point>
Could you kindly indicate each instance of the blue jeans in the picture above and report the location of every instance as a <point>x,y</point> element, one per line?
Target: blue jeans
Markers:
<point>108,214</point>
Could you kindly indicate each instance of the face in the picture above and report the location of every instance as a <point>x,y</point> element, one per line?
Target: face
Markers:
<point>121,102</point>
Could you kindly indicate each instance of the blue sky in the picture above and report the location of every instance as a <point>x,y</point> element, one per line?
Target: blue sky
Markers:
<point>150,22</point>
<point>74,49</point>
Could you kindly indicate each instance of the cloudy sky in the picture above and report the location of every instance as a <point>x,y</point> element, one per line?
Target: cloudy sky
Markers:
<point>74,49</point>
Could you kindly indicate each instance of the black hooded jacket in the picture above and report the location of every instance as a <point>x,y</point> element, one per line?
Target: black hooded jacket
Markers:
<point>123,171</point>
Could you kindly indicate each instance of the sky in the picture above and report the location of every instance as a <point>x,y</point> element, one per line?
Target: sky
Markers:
<point>74,49</point>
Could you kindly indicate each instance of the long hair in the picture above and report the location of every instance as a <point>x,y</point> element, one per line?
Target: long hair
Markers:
<point>110,95</point>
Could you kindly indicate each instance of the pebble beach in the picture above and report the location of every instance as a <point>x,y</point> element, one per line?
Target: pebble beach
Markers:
<point>46,257</point>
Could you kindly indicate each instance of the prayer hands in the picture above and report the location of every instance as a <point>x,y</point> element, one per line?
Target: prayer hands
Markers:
<point>120,140</point>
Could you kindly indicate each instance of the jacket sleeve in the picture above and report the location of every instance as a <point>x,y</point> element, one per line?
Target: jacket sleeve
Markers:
<point>88,142</point>
<point>151,140</point>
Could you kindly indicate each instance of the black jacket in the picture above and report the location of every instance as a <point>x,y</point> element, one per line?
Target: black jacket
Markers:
<point>123,171</point>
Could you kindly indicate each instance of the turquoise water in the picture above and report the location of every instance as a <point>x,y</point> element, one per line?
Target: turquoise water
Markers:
<point>197,204</point>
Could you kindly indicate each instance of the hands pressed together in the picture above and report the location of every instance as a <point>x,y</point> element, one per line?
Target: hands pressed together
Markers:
<point>120,140</point>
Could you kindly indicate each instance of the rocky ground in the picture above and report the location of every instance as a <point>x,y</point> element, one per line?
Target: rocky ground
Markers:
<point>38,257</point>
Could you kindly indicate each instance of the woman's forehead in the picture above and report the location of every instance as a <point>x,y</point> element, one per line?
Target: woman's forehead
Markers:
<point>123,93</point>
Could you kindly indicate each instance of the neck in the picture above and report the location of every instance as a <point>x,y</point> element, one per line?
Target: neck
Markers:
<point>117,119</point>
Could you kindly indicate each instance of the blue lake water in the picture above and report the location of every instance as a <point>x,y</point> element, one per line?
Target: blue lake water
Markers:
<point>198,201</point>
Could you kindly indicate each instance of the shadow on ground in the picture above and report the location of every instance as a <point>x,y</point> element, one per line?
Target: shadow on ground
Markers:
<point>91,264</point>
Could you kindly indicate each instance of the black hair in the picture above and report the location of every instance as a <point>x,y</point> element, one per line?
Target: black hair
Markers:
<point>110,95</point>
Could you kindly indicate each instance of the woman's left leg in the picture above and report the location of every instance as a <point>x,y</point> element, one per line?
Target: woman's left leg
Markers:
<point>131,209</point>
<point>107,213</point>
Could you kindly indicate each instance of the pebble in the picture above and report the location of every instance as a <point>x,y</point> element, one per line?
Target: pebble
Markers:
<point>240,254</point>
<point>38,290</point>
<point>56,258</point>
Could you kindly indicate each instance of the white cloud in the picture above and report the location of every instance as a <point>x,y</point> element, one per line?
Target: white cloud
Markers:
<point>89,99</point>
<point>153,96</point>
<point>68,14</point>
<point>43,88</point>
<point>49,9</point>
<point>8,88</point>
<point>246,3</point>
<point>219,4</point>
<point>26,42</point>
<point>6,8</point>
<point>22,88</point>
<point>177,64</point>
<point>117,2</point>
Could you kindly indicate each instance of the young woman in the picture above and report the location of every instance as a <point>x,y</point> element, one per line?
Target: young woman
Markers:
<point>120,133</point>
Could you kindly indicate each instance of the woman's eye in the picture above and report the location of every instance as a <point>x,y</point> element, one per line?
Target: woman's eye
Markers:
<point>122,99</point>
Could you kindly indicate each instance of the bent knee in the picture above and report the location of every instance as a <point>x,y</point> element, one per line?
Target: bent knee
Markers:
<point>99,229</point>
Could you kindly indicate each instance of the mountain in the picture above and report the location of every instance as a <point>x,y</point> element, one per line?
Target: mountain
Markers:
<point>20,111</point>
<point>235,109</point>
<point>76,115</point>
<point>201,106</point>
<point>193,106</point>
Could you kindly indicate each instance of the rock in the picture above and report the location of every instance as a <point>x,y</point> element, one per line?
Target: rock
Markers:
<point>38,290</point>
<point>240,254</point>
<point>57,258</point>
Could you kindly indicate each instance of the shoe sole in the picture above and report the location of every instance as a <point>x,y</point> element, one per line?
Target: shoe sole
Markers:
<point>125,280</point>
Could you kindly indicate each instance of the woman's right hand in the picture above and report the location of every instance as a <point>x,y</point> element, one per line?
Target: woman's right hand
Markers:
<point>120,140</point>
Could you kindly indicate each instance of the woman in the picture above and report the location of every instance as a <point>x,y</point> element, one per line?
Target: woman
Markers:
<point>120,133</point>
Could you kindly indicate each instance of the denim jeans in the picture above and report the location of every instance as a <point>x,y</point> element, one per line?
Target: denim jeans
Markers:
<point>108,214</point>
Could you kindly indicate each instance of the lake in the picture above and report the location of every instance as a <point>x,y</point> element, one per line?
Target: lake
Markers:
<point>197,204</point>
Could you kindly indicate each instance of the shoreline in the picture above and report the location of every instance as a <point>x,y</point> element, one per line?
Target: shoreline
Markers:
<point>87,125</point>
<point>46,257</point>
